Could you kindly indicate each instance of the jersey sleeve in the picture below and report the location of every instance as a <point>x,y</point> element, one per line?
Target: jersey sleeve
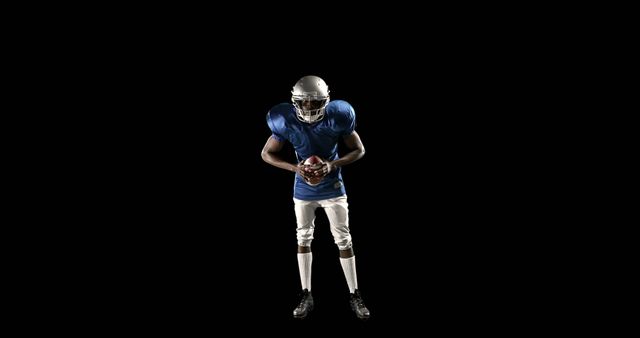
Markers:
<point>345,119</point>
<point>276,123</point>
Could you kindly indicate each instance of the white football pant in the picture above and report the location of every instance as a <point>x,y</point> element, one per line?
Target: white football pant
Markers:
<point>337,210</point>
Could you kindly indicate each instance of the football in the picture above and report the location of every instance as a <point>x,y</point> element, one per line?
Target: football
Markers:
<point>311,164</point>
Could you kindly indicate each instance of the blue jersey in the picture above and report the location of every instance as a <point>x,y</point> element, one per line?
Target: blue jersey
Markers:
<point>320,138</point>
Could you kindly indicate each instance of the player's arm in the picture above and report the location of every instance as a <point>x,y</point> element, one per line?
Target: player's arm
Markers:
<point>270,154</point>
<point>354,144</point>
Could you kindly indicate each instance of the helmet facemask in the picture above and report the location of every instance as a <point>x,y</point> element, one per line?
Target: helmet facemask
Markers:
<point>310,109</point>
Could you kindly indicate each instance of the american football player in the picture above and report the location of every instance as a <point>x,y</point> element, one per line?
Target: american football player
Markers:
<point>314,125</point>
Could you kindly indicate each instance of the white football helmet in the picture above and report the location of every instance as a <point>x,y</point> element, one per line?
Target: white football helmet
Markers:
<point>310,97</point>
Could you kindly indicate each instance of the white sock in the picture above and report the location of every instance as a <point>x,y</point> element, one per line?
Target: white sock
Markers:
<point>304,265</point>
<point>349,268</point>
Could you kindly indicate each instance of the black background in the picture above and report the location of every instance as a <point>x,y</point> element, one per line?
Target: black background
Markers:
<point>201,231</point>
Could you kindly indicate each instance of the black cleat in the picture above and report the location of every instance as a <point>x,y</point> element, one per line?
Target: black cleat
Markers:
<point>357,305</point>
<point>305,306</point>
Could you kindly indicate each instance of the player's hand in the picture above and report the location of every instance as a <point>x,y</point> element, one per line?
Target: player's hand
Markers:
<point>305,171</point>
<point>324,170</point>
